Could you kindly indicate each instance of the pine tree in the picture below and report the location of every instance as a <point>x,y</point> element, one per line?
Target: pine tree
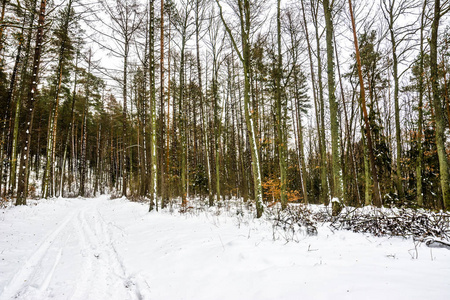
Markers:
<point>22,188</point>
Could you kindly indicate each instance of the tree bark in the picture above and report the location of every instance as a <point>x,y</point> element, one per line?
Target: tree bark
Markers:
<point>2,16</point>
<point>22,188</point>
<point>376,187</point>
<point>335,136</point>
<point>320,115</point>
<point>9,100</point>
<point>245,58</point>
<point>439,114</point>
<point>154,166</point>
<point>280,107</point>
<point>83,162</point>
<point>419,166</point>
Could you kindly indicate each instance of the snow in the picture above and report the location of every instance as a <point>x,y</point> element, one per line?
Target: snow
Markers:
<point>115,249</point>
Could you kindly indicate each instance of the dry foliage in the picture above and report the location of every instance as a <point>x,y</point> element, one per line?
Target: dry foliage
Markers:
<point>272,192</point>
<point>3,202</point>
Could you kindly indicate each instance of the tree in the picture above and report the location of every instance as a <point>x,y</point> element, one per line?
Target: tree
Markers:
<point>2,18</point>
<point>22,188</point>
<point>245,15</point>
<point>297,88</point>
<point>24,80</point>
<point>335,132</point>
<point>398,35</point>
<point>63,41</point>
<point>7,117</point>
<point>230,115</point>
<point>437,104</point>
<point>162,131</point>
<point>216,45</point>
<point>420,109</point>
<point>153,146</point>
<point>70,132</point>
<point>183,21</point>
<point>280,108</point>
<point>377,198</point>
<point>125,18</point>
<point>323,192</point>
<point>319,105</point>
<point>199,14</point>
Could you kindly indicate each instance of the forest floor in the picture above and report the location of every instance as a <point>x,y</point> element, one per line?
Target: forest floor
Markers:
<point>115,249</point>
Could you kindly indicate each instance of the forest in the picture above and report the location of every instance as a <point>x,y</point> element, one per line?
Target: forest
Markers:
<point>265,101</point>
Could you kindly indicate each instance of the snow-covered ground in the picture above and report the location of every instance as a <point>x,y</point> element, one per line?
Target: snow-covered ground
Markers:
<point>115,249</point>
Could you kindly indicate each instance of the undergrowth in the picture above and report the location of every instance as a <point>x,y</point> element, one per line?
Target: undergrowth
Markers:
<point>300,219</point>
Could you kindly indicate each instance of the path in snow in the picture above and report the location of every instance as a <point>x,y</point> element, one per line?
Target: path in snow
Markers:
<point>76,260</point>
<point>115,250</point>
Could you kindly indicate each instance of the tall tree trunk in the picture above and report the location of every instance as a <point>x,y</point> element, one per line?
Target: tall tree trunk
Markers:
<point>245,57</point>
<point>439,114</point>
<point>154,162</point>
<point>321,115</point>
<point>241,137</point>
<point>335,136</point>
<point>168,183</point>
<point>376,187</point>
<point>420,112</point>
<point>367,179</point>
<point>9,100</point>
<point>301,152</point>
<point>348,129</point>
<point>125,119</point>
<point>282,145</point>
<point>48,157</point>
<point>22,95</point>
<point>49,174</point>
<point>83,162</point>
<point>396,104</point>
<point>316,109</point>
<point>249,116</point>
<point>217,107</point>
<point>163,133</point>
<point>2,17</point>
<point>202,109</point>
<point>97,164</point>
<point>217,125</point>
<point>142,107</point>
<point>22,188</point>
<point>182,127</point>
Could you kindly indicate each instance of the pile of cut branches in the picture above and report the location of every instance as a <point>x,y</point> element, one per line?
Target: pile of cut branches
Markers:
<point>403,222</point>
<point>421,225</point>
<point>294,218</point>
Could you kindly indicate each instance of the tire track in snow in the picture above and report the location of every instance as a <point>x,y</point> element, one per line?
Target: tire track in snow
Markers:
<point>137,282</point>
<point>85,277</point>
<point>103,273</point>
<point>33,278</point>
